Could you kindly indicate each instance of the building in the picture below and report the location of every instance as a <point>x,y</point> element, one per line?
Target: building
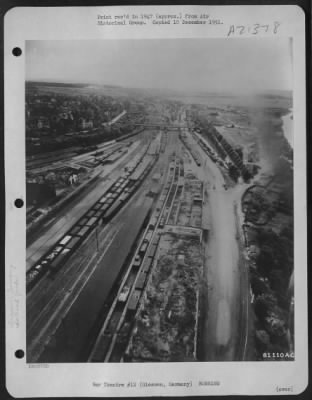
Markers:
<point>85,124</point>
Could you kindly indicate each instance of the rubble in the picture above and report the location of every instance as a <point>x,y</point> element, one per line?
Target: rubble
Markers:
<point>165,329</point>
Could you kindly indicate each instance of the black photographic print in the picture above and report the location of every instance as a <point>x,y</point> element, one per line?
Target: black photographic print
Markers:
<point>159,200</point>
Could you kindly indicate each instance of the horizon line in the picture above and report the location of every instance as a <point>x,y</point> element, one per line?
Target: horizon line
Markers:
<point>151,88</point>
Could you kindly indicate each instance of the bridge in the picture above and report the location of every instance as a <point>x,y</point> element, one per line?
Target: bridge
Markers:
<point>163,126</point>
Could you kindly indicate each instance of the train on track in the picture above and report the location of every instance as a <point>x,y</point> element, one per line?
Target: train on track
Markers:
<point>100,213</point>
<point>112,341</point>
<point>126,305</point>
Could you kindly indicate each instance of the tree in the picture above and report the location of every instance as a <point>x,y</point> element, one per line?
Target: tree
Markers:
<point>278,280</point>
<point>258,286</point>
<point>233,173</point>
<point>266,261</point>
<point>264,304</point>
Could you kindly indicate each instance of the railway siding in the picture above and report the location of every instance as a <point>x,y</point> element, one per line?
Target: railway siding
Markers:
<point>174,282</point>
<point>185,140</point>
<point>135,280</point>
<point>147,263</point>
<point>99,213</point>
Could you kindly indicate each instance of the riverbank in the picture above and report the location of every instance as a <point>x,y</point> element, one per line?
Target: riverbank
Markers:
<point>288,127</point>
<point>268,231</point>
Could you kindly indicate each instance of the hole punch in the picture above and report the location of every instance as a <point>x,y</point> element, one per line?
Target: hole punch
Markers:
<point>19,203</point>
<point>19,353</point>
<point>17,51</point>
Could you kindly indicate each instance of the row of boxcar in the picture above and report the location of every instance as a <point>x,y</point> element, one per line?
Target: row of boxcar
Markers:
<point>125,308</point>
<point>176,174</point>
<point>148,247</point>
<point>101,212</point>
<point>146,251</point>
<point>175,205</point>
<point>161,201</point>
<point>150,252</point>
<point>127,304</point>
<point>163,142</point>
<point>168,205</point>
<point>214,157</point>
<point>207,150</point>
<point>130,308</point>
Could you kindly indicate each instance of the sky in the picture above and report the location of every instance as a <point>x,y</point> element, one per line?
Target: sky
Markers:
<point>221,65</point>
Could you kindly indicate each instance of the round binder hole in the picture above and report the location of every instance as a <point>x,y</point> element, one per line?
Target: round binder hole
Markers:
<point>19,353</point>
<point>17,51</point>
<point>19,203</point>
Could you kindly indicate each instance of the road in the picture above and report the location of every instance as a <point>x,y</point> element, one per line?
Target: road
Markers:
<point>224,261</point>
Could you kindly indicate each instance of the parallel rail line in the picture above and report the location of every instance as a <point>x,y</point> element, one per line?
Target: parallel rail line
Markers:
<point>100,212</point>
<point>113,337</point>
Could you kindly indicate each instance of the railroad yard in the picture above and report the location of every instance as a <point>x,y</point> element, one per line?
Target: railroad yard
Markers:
<point>139,248</point>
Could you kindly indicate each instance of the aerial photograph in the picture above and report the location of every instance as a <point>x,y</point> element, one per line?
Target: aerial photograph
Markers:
<point>159,194</point>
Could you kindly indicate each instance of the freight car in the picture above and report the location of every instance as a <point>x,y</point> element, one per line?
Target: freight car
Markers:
<point>124,294</point>
<point>102,348</point>
<point>59,260</point>
<point>137,262</point>
<point>102,211</point>
<point>143,248</point>
<point>140,283</point>
<point>147,263</point>
<point>153,223</point>
<point>134,300</point>
<point>162,223</point>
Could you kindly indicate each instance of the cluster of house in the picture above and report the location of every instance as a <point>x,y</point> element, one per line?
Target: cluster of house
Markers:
<point>61,114</point>
<point>44,122</point>
<point>39,117</point>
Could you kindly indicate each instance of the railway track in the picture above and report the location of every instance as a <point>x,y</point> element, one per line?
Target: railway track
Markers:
<point>100,213</point>
<point>118,324</point>
<point>194,154</point>
<point>42,160</point>
<point>68,285</point>
<point>43,323</point>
